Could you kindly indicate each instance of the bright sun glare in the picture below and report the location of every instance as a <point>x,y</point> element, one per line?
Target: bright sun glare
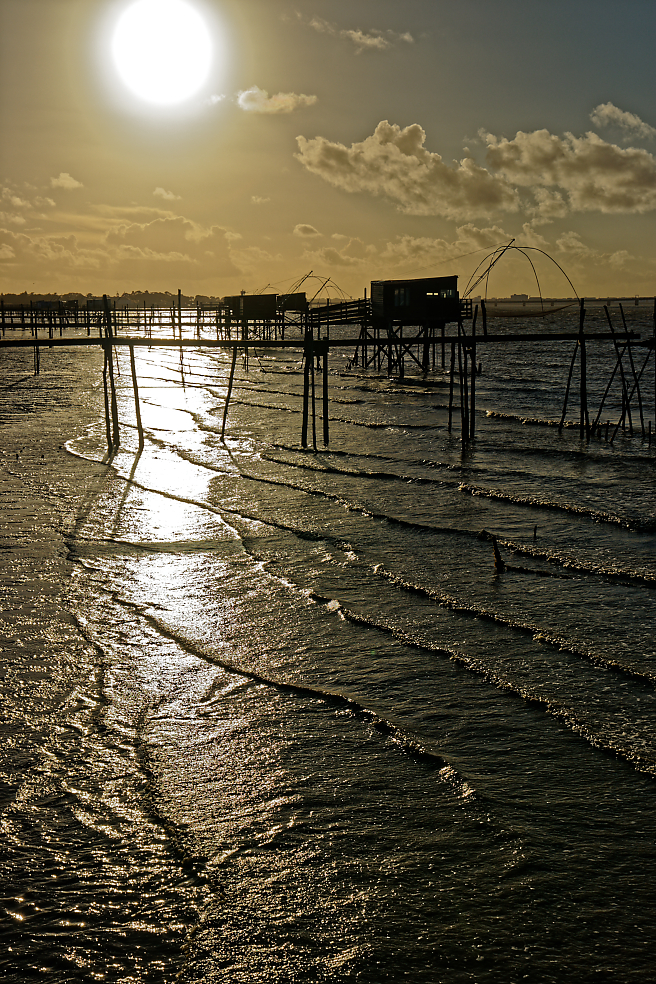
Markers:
<point>162,50</point>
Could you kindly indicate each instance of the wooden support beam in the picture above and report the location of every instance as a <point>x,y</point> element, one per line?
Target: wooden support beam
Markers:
<point>137,408</point>
<point>307,364</point>
<point>451,381</point>
<point>472,413</point>
<point>584,422</point>
<point>326,429</point>
<point>116,438</point>
<point>227,402</point>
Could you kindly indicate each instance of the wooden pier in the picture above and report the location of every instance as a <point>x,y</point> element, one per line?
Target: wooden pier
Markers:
<point>402,321</point>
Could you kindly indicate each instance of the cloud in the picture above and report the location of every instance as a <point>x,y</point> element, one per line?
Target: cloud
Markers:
<point>545,175</point>
<point>420,253</point>
<point>6,252</point>
<point>306,231</point>
<point>258,200</point>
<point>216,99</point>
<point>606,114</point>
<point>352,253</point>
<point>250,259</point>
<point>255,100</point>
<point>393,163</point>
<point>593,175</point>
<point>364,42</point>
<point>371,40</point>
<point>168,195</point>
<point>65,181</point>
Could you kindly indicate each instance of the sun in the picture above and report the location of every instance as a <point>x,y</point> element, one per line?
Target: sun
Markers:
<point>162,50</point>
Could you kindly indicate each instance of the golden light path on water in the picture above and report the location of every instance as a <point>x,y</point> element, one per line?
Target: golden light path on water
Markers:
<point>162,50</point>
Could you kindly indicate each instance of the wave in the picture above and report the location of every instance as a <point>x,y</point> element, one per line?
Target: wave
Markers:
<point>528,421</point>
<point>598,515</point>
<point>357,473</point>
<point>536,632</point>
<point>605,743</point>
<point>408,741</point>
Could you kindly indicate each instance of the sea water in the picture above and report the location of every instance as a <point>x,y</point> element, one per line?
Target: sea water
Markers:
<point>273,715</point>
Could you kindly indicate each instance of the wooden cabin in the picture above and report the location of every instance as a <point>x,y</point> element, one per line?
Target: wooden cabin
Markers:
<point>416,302</point>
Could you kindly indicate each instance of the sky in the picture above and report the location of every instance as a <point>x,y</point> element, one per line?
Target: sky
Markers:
<point>355,141</point>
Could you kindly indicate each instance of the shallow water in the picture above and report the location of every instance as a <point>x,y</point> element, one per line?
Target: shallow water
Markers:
<point>272,715</point>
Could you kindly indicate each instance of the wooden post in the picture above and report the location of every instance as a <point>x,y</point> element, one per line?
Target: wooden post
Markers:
<point>37,354</point>
<point>314,408</point>
<point>307,363</point>
<point>484,315</point>
<point>451,381</point>
<point>180,313</point>
<point>136,398</point>
<point>326,434</point>
<point>464,396</point>
<point>107,418</point>
<point>232,376</point>
<point>472,416</point>
<point>583,419</point>
<point>389,348</point>
<point>425,358</point>
<point>636,379</point>
<point>569,380</point>
<point>116,440</point>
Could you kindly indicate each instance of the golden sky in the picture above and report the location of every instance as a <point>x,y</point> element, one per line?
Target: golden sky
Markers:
<point>361,140</point>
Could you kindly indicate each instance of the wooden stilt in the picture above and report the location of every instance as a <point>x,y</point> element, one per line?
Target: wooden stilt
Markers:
<point>228,394</point>
<point>116,439</point>
<point>326,430</point>
<point>569,381</point>
<point>583,395</point>
<point>451,382</point>
<point>307,364</point>
<point>108,428</point>
<point>464,396</point>
<point>137,409</point>
<point>314,406</point>
<point>636,379</point>
<point>472,415</point>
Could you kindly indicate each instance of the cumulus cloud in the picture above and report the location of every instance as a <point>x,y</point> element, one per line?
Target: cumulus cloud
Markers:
<point>546,175</point>
<point>408,252</point>
<point>168,195</point>
<point>65,181</point>
<point>351,253</point>
<point>167,234</point>
<point>256,100</point>
<point>606,114</point>
<point>6,252</point>
<point>592,174</point>
<point>305,231</point>
<point>394,163</point>
<point>370,40</point>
